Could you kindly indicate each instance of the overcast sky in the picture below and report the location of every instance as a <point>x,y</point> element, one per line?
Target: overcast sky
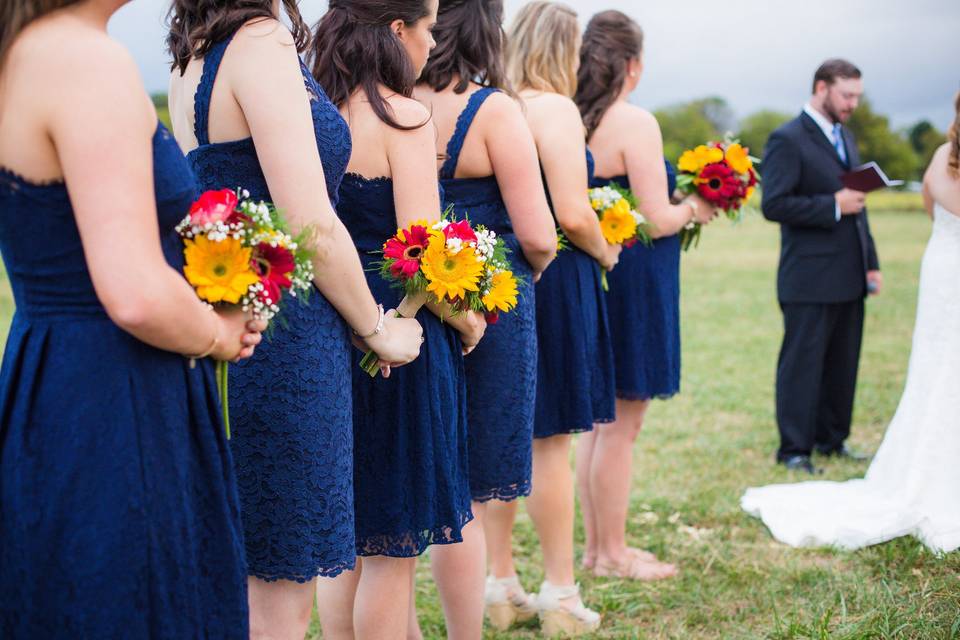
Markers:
<point>755,53</point>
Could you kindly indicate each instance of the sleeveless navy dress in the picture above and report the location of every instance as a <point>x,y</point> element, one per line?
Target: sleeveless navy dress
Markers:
<point>118,508</point>
<point>411,486</point>
<point>644,312</point>
<point>575,376</point>
<point>502,370</point>
<point>290,405</point>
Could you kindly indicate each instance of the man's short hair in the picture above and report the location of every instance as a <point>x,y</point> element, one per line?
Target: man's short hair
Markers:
<point>835,68</point>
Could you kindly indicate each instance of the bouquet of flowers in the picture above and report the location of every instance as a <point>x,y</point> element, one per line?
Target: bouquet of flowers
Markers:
<point>240,253</point>
<point>723,174</point>
<point>446,261</point>
<point>620,222</point>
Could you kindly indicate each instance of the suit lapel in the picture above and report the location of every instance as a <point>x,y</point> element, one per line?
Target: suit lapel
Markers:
<point>853,154</point>
<point>813,129</point>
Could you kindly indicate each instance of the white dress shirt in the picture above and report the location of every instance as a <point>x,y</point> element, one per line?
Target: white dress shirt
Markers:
<point>827,127</point>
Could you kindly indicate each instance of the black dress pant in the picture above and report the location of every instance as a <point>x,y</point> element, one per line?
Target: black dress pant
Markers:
<point>817,375</point>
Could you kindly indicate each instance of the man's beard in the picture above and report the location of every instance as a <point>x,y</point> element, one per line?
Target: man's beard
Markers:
<point>835,114</point>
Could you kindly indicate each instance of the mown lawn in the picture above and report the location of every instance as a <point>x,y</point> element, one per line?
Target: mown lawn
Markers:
<point>700,450</point>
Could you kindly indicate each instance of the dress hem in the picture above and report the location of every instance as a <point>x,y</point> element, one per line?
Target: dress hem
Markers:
<point>425,538</point>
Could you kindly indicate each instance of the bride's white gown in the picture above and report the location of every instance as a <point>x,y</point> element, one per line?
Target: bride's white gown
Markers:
<point>913,485</point>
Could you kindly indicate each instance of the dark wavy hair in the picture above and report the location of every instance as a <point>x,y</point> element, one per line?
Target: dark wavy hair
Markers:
<point>353,46</point>
<point>470,38</point>
<point>953,135</point>
<point>15,15</point>
<point>196,25</point>
<point>611,40</point>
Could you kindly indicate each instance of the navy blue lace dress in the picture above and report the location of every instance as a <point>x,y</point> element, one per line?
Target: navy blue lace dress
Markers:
<point>290,405</point>
<point>502,370</point>
<point>644,312</point>
<point>118,507</point>
<point>410,478</point>
<point>575,377</point>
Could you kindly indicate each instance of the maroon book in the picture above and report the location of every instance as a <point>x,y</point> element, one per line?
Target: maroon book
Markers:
<point>868,177</point>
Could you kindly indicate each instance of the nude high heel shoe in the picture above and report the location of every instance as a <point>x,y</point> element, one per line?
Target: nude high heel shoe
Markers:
<point>556,619</point>
<point>507,603</point>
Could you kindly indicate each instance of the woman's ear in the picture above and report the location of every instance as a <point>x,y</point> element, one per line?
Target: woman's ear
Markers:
<point>397,26</point>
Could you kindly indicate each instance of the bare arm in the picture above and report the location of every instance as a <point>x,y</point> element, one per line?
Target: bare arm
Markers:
<point>513,155</point>
<point>643,157</point>
<point>103,134</point>
<point>559,136</point>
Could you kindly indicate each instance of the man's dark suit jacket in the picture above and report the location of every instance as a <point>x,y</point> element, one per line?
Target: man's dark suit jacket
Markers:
<point>821,260</point>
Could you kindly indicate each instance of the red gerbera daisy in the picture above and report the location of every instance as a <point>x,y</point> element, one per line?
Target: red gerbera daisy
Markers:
<point>460,230</point>
<point>274,266</point>
<point>712,183</point>
<point>406,249</point>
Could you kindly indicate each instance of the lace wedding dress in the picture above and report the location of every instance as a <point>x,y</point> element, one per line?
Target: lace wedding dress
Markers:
<point>913,485</point>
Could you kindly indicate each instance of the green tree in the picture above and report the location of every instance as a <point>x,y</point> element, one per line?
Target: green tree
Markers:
<point>757,127</point>
<point>925,139</point>
<point>879,143</point>
<point>691,123</point>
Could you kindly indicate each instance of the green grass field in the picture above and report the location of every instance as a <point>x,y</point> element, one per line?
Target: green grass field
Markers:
<point>699,451</point>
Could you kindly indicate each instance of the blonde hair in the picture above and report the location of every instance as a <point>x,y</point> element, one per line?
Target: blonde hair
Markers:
<point>953,162</point>
<point>543,48</point>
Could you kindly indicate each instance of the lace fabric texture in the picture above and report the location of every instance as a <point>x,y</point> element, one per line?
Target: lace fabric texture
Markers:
<point>119,515</point>
<point>643,307</point>
<point>290,405</point>
<point>410,430</point>
<point>911,485</point>
<point>575,375</point>
<point>502,370</point>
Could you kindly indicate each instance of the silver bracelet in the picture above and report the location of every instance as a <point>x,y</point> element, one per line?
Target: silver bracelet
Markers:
<point>379,328</point>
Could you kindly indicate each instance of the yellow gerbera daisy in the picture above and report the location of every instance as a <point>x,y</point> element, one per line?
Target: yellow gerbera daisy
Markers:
<point>694,160</point>
<point>738,158</point>
<point>617,224</point>
<point>450,275</point>
<point>219,271</point>
<point>503,292</point>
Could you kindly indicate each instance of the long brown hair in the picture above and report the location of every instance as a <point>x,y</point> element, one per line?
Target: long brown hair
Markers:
<point>470,37</point>
<point>15,15</point>
<point>543,45</point>
<point>953,162</point>
<point>196,25</point>
<point>611,40</point>
<point>353,46</point>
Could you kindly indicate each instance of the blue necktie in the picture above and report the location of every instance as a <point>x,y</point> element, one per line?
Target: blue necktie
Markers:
<point>838,143</point>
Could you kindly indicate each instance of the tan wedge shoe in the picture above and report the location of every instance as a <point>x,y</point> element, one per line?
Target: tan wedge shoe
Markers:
<point>507,603</point>
<point>556,619</point>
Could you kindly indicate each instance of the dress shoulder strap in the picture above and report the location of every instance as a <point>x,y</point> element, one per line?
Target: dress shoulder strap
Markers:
<point>464,120</point>
<point>201,99</point>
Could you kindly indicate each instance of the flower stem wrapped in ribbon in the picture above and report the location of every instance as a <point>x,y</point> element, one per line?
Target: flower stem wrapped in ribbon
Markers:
<point>452,262</point>
<point>241,254</point>
<point>722,173</point>
<point>620,222</point>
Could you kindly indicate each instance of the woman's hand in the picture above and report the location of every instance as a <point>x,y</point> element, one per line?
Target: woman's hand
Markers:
<point>704,212</point>
<point>611,257</point>
<point>471,325</point>
<point>399,342</point>
<point>238,335</point>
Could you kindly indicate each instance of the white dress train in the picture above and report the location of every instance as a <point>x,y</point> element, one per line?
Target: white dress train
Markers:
<point>913,484</point>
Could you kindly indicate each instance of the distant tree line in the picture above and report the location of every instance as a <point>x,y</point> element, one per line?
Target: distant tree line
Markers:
<point>903,154</point>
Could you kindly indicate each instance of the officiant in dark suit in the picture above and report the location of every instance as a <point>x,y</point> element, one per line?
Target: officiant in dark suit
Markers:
<point>828,265</point>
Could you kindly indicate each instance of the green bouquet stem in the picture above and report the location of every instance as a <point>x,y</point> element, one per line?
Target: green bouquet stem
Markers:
<point>407,308</point>
<point>603,280</point>
<point>222,378</point>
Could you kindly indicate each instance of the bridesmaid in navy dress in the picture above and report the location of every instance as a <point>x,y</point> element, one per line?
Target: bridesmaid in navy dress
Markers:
<point>410,477</point>
<point>575,371</point>
<point>254,117</point>
<point>644,296</point>
<point>490,176</point>
<point>118,507</point>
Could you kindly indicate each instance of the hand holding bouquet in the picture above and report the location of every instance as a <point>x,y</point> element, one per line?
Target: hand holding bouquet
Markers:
<point>620,222</point>
<point>722,173</point>
<point>447,262</point>
<point>240,254</point>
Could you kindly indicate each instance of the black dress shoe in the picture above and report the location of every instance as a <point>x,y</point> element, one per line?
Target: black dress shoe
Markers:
<point>800,463</point>
<point>845,453</point>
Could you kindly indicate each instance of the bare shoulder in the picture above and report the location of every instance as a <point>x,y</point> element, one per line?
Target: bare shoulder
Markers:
<point>624,114</point>
<point>264,32</point>
<point>407,112</point>
<point>552,112</point>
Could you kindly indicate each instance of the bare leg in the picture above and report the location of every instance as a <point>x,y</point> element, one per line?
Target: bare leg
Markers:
<point>585,445</point>
<point>382,607</point>
<point>279,610</point>
<point>335,600</point>
<point>458,570</point>
<point>498,531</point>
<point>413,624</point>
<point>550,506</point>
